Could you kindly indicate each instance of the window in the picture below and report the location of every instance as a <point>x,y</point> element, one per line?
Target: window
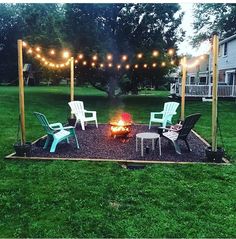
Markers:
<point>192,79</point>
<point>225,49</point>
<point>202,80</point>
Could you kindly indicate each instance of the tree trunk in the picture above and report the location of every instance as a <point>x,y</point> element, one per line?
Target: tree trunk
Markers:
<point>112,86</point>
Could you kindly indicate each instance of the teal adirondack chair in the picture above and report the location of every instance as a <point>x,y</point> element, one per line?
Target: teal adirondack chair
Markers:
<point>167,114</point>
<point>56,132</point>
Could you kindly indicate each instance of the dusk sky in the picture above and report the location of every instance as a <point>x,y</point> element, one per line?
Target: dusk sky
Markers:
<point>185,47</point>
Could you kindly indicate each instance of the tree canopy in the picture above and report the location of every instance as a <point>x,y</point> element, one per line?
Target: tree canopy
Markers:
<point>209,17</point>
<point>96,28</point>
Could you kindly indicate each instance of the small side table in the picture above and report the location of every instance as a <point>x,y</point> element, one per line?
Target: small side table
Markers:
<point>148,135</point>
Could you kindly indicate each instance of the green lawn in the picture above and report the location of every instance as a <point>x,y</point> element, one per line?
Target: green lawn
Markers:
<point>87,199</point>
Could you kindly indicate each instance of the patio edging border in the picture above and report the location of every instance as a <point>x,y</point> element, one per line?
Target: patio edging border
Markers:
<point>122,161</point>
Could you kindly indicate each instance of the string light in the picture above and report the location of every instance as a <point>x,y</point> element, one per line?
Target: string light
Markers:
<point>163,64</point>
<point>155,53</point>
<point>109,57</point>
<point>127,66</point>
<point>43,60</point>
<point>193,64</point>
<point>66,54</point>
<point>95,57</point>
<point>30,51</point>
<point>124,58</point>
<point>24,44</point>
<point>171,52</point>
<point>140,55</point>
<point>81,56</point>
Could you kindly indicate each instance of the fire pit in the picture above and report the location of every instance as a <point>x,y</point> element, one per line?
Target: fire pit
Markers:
<point>122,126</point>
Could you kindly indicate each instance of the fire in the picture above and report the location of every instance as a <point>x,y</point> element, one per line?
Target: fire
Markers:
<point>121,126</point>
<point>120,123</point>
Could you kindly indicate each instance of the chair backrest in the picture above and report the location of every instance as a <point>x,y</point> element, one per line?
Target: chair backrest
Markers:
<point>43,121</point>
<point>77,108</point>
<point>170,108</point>
<point>188,124</point>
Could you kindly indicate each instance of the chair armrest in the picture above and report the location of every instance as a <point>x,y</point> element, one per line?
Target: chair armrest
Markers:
<point>90,112</point>
<point>157,113</point>
<point>168,129</point>
<point>171,113</point>
<point>56,126</point>
<point>68,127</point>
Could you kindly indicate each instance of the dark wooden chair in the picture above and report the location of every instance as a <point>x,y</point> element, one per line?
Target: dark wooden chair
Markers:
<point>182,134</point>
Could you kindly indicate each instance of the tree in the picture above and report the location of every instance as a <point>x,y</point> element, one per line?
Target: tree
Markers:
<point>36,23</point>
<point>10,25</point>
<point>220,17</point>
<point>122,29</point>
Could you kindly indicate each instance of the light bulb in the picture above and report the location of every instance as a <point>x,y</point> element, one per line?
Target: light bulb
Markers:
<point>140,55</point>
<point>155,53</point>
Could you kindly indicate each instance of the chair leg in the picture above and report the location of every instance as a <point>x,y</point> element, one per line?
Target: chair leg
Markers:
<point>186,142</point>
<point>47,142</point>
<point>67,140</point>
<point>150,122</point>
<point>76,140</point>
<point>164,124</point>
<point>96,123</point>
<point>82,124</point>
<point>177,148</point>
<point>54,145</point>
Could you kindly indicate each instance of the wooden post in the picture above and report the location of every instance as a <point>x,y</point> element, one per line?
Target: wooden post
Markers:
<point>214,91</point>
<point>21,91</point>
<point>72,91</point>
<point>184,75</point>
<point>72,79</point>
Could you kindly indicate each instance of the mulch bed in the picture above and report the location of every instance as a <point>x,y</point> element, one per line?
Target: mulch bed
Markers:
<point>98,144</point>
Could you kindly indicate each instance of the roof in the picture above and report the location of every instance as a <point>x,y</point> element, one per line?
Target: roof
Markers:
<point>228,39</point>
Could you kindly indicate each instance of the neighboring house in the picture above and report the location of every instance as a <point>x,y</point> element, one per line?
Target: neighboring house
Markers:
<point>199,76</point>
<point>227,60</point>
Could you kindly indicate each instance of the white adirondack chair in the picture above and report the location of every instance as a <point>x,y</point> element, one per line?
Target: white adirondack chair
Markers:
<point>77,108</point>
<point>167,114</point>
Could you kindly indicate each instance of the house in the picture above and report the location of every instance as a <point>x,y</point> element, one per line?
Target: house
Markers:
<point>198,70</point>
<point>227,60</point>
<point>199,73</point>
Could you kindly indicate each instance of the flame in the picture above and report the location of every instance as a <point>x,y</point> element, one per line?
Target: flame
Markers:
<point>120,126</point>
<point>120,123</point>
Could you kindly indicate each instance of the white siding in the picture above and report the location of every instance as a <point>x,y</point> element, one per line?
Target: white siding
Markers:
<point>229,61</point>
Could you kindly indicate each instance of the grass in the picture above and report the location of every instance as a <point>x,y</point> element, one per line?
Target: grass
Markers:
<point>85,199</point>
